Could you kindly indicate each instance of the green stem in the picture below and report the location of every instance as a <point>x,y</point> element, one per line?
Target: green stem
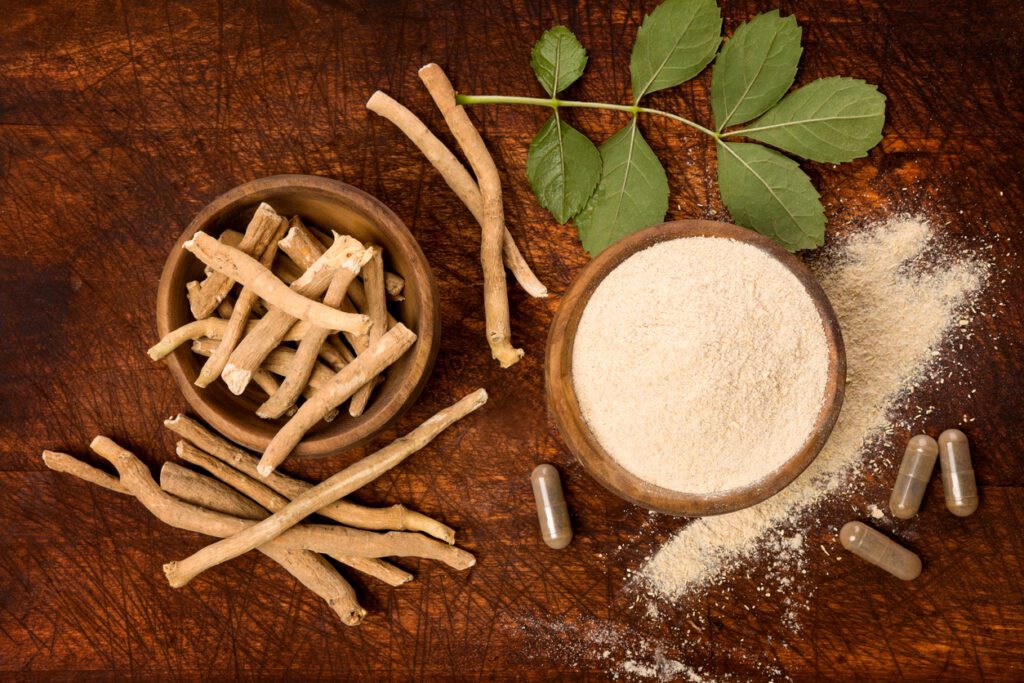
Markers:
<point>554,103</point>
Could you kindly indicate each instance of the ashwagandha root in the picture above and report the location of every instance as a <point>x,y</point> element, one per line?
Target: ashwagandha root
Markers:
<point>267,334</point>
<point>395,517</point>
<point>307,567</point>
<point>242,268</point>
<point>203,491</point>
<point>329,540</point>
<point>365,367</point>
<point>62,462</point>
<point>312,344</point>
<point>458,179</point>
<point>338,486</point>
<point>258,234</point>
<point>213,328</point>
<point>377,309</point>
<point>235,328</point>
<point>499,331</point>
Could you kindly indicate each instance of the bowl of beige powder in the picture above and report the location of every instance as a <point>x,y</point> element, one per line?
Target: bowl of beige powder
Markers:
<point>695,368</point>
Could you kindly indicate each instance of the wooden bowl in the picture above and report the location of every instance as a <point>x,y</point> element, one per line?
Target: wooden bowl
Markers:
<point>565,408</point>
<point>330,205</point>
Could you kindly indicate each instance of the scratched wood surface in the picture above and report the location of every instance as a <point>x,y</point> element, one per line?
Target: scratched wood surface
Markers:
<point>118,121</point>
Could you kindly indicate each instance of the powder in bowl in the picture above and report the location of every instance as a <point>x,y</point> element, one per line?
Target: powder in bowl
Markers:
<point>700,364</point>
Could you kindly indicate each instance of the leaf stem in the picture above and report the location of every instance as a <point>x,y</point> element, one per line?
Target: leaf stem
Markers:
<point>555,103</point>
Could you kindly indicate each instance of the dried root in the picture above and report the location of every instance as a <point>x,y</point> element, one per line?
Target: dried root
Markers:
<point>499,331</point>
<point>309,568</point>
<point>458,179</point>
<point>377,309</point>
<point>328,491</point>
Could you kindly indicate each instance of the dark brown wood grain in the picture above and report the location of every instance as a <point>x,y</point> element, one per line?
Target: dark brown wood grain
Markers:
<point>120,120</point>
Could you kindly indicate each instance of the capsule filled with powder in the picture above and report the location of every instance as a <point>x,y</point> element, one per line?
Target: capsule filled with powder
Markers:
<point>957,473</point>
<point>880,550</point>
<point>912,481</point>
<point>552,512</point>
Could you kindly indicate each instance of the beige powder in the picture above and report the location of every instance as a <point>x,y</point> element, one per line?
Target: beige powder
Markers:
<point>700,364</point>
<point>896,296</point>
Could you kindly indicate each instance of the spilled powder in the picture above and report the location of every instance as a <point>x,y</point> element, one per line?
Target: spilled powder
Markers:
<point>896,296</point>
<point>700,364</point>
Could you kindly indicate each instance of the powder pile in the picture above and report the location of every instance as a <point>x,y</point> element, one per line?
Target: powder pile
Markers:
<point>896,297</point>
<point>700,364</point>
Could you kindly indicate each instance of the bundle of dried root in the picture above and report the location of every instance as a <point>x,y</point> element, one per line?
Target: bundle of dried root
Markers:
<point>317,309</point>
<point>482,197</point>
<point>233,503</point>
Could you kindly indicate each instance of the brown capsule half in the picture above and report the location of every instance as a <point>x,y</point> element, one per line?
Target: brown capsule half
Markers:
<point>552,512</point>
<point>915,471</point>
<point>880,550</point>
<point>957,473</point>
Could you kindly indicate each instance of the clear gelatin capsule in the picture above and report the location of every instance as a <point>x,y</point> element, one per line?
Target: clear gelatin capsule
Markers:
<point>915,471</point>
<point>552,512</point>
<point>957,473</point>
<point>880,550</point>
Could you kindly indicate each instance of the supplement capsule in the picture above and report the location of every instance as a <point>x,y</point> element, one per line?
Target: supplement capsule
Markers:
<point>915,471</point>
<point>880,550</point>
<point>552,512</point>
<point>957,473</point>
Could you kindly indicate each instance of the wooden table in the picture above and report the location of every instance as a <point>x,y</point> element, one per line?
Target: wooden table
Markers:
<point>118,121</point>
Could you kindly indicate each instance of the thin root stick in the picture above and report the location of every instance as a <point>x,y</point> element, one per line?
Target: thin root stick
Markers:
<point>62,462</point>
<point>395,517</point>
<point>365,367</point>
<point>499,331</point>
<point>307,567</point>
<point>212,328</point>
<point>328,491</point>
<point>457,178</point>
<point>377,309</point>
<point>241,267</point>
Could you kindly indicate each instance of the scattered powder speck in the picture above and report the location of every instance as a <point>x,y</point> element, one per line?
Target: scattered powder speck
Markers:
<point>875,511</point>
<point>896,294</point>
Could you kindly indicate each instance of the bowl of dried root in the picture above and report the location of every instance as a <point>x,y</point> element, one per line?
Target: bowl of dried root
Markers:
<point>298,316</point>
<point>695,368</point>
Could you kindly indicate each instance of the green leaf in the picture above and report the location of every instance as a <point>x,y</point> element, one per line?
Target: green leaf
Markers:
<point>755,68</point>
<point>633,193</point>
<point>831,120</point>
<point>563,167</point>
<point>674,44</point>
<point>768,192</point>
<point>558,59</point>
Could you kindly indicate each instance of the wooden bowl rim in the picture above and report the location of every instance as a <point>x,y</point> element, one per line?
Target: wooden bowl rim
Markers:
<point>563,404</point>
<point>382,411</point>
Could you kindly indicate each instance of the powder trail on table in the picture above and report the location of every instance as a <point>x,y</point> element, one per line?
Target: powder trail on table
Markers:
<point>894,308</point>
<point>700,364</point>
